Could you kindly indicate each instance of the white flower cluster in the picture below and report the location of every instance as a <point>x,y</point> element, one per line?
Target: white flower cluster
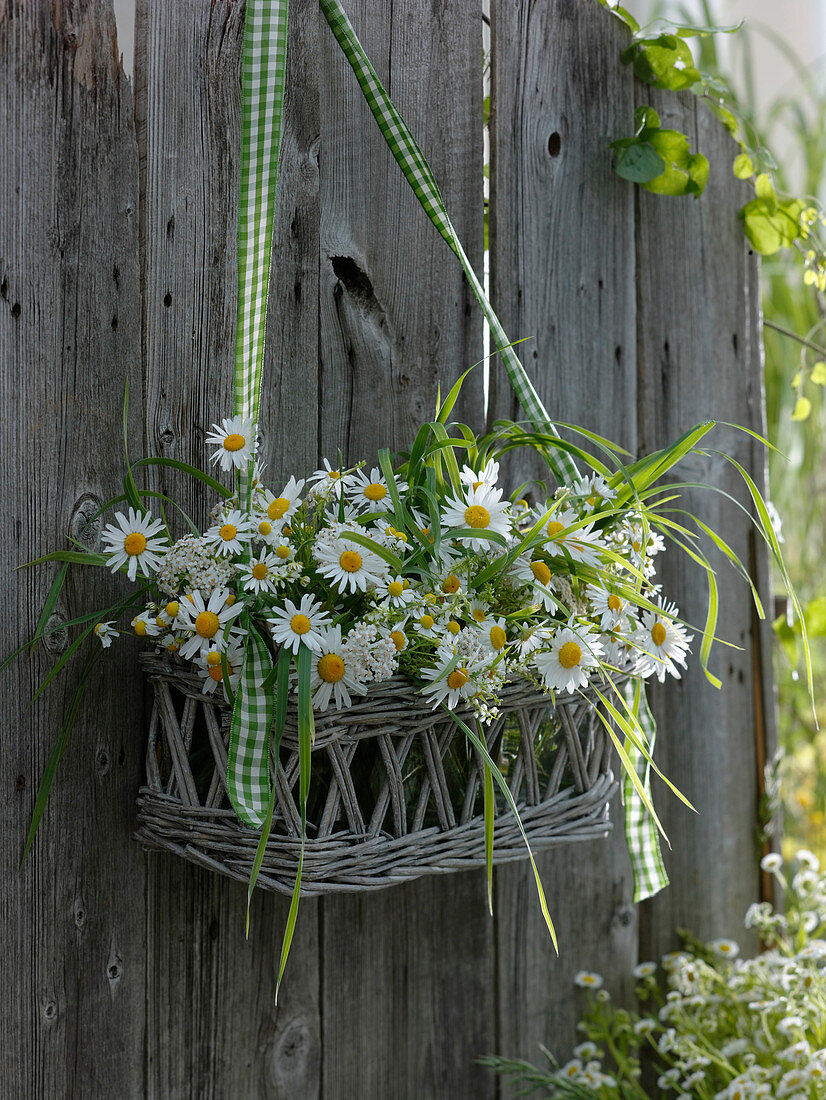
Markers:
<point>727,1028</point>
<point>451,582</point>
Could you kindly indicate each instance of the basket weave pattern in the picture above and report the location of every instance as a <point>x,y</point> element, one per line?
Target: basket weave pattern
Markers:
<point>396,789</point>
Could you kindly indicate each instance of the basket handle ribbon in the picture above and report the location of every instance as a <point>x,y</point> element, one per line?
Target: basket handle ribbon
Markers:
<point>263,73</point>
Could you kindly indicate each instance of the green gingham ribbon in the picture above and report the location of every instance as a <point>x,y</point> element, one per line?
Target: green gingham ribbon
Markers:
<point>248,766</point>
<point>640,830</point>
<point>641,834</point>
<point>263,72</point>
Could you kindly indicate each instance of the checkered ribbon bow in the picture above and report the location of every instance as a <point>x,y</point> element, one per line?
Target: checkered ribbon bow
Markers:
<point>264,63</point>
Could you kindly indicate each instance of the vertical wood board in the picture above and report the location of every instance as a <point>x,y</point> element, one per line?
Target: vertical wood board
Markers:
<point>73,941</point>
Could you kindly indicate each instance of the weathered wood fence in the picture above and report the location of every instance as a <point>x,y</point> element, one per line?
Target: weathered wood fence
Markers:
<point>128,975</point>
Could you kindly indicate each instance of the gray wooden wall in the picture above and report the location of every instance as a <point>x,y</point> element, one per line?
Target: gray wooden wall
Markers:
<point>126,974</point>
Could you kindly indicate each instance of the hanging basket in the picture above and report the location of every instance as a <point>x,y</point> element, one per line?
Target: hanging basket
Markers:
<point>396,788</point>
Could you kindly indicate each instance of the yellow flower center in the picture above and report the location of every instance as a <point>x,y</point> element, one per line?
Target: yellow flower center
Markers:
<point>264,527</point>
<point>334,475</point>
<point>282,552</point>
<point>554,527</point>
<point>134,544</point>
<point>453,627</point>
<point>213,657</point>
<point>278,507</point>
<point>395,588</point>
<point>375,491</point>
<point>228,532</point>
<point>478,484</point>
<point>541,571</point>
<point>426,622</point>
<point>479,615</point>
<point>159,621</point>
<point>97,628</point>
<point>451,584</point>
<point>207,624</point>
<point>259,571</point>
<point>399,640</point>
<point>570,655</point>
<point>614,603</point>
<point>331,668</point>
<point>498,637</point>
<point>299,624</point>
<point>172,609</point>
<point>658,634</point>
<point>234,442</point>
<point>230,600</point>
<point>457,679</point>
<point>636,546</point>
<point>216,673</point>
<point>350,561</point>
<point>140,628</point>
<point>477,517</point>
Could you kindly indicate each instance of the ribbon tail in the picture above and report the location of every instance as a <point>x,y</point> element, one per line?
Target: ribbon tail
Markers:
<point>248,767</point>
<point>641,834</point>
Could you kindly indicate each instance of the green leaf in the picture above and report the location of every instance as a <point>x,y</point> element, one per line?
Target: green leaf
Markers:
<point>282,672</point>
<point>819,374</point>
<point>802,409</point>
<point>638,162</point>
<point>743,167</point>
<point>56,755</point>
<point>503,786</point>
<point>306,730</point>
<point>763,188</point>
<point>665,61</point>
<point>185,468</point>
<point>490,810</point>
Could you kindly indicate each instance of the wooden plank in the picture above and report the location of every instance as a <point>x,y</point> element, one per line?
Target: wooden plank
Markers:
<point>73,928</point>
<point>396,314</point>
<point>700,358</point>
<point>562,273</point>
<point>212,1029</point>
<point>407,983</point>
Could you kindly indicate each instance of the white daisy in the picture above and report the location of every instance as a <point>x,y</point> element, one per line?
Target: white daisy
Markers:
<point>106,633</point>
<point>451,687</point>
<point>582,544</point>
<point>536,573</point>
<point>350,566</point>
<point>147,624</point>
<point>333,674</point>
<point>211,669</point>
<point>478,611</point>
<point>488,475</point>
<point>661,643</point>
<point>586,979</point>
<point>208,621</point>
<point>481,509</point>
<point>292,626</point>
<point>397,592</point>
<point>425,622</point>
<point>329,480</point>
<point>234,440</point>
<point>230,535</point>
<point>135,540</point>
<point>260,574</point>
<point>397,635</point>
<point>564,666</point>
<point>594,489</point>
<point>371,494</point>
<point>495,633</point>
<point>608,606</point>
<point>279,509</point>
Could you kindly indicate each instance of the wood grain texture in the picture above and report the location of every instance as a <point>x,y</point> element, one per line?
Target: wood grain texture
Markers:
<point>73,919</point>
<point>396,314</point>
<point>561,222</point>
<point>408,973</point>
<point>212,1028</point>
<point>700,358</point>
<point>562,272</point>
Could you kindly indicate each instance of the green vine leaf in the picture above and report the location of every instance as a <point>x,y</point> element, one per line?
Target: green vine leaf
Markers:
<point>665,62</point>
<point>771,225</point>
<point>659,160</point>
<point>743,167</point>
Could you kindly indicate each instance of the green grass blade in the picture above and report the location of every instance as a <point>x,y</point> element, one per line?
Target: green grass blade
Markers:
<point>379,550</point>
<point>490,811</point>
<point>184,467</point>
<point>503,786</point>
<point>56,755</point>
<point>306,729</point>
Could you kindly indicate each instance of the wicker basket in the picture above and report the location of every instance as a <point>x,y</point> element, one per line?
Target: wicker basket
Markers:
<point>395,790</point>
